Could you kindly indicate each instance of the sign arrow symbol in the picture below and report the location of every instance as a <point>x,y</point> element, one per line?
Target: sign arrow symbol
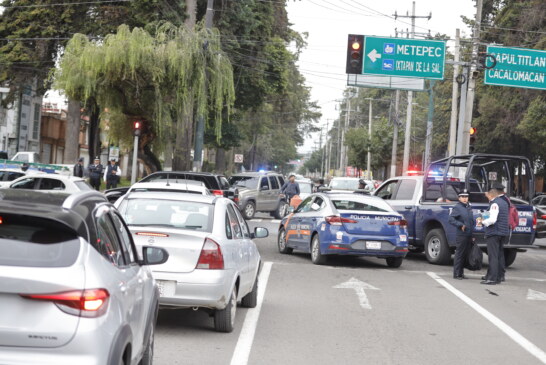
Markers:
<point>535,295</point>
<point>359,287</point>
<point>374,55</point>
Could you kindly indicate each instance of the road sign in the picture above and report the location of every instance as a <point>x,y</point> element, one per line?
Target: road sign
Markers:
<point>516,67</point>
<point>238,159</point>
<point>386,82</point>
<point>404,57</point>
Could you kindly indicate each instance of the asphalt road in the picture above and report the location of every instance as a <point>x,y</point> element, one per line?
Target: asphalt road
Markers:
<point>358,311</point>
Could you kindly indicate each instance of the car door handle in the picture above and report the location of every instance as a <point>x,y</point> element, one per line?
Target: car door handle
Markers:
<point>408,207</point>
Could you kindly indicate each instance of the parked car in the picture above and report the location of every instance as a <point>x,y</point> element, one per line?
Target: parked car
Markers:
<point>260,192</point>
<point>306,188</point>
<point>539,201</point>
<point>345,224</point>
<point>540,208</point>
<point>213,261</point>
<point>8,175</point>
<point>344,184</point>
<point>73,289</point>
<point>51,182</point>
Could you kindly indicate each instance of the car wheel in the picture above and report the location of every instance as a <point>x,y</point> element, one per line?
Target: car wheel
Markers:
<point>249,210</point>
<point>224,319</point>
<point>251,299</point>
<point>436,247</point>
<point>148,356</point>
<point>281,242</point>
<point>317,257</point>
<point>282,208</point>
<point>394,262</point>
<point>509,257</point>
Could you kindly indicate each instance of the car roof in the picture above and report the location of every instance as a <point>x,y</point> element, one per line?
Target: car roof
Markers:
<point>51,176</point>
<point>185,172</point>
<point>345,178</point>
<point>257,173</point>
<point>207,199</point>
<point>304,182</point>
<point>196,186</point>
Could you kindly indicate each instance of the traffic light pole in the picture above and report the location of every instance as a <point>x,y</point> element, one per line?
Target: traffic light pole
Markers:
<point>134,172</point>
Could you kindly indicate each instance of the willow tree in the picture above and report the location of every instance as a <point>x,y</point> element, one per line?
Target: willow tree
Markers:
<point>156,78</point>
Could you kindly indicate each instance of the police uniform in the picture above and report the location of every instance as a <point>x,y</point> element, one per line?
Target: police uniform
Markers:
<point>95,174</point>
<point>461,216</point>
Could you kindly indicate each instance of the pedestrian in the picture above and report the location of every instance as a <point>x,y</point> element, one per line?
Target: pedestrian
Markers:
<point>320,185</point>
<point>505,239</point>
<point>290,188</point>
<point>112,174</point>
<point>95,173</point>
<point>361,184</point>
<point>496,230</point>
<point>461,217</point>
<point>78,168</point>
<point>25,166</point>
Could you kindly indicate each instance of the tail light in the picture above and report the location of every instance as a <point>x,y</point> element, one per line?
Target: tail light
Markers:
<point>211,256</point>
<point>83,303</point>
<point>236,199</point>
<point>402,223</point>
<point>535,220</point>
<point>336,220</point>
<point>217,192</point>
<point>544,216</point>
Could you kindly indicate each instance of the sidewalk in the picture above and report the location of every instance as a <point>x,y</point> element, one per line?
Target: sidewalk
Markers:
<point>540,242</point>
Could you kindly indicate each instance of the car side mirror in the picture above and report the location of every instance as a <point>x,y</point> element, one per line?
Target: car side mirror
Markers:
<point>154,255</point>
<point>260,232</point>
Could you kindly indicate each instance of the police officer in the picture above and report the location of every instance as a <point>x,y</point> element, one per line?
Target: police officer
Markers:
<point>95,173</point>
<point>462,218</point>
<point>496,230</point>
<point>78,168</point>
<point>112,174</point>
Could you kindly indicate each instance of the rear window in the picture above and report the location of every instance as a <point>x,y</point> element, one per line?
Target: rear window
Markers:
<point>344,184</point>
<point>367,206</point>
<point>168,213</point>
<point>36,242</point>
<point>250,182</point>
<point>305,188</point>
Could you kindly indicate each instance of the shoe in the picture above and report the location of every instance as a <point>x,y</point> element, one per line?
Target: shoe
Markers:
<point>458,277</point>
<point>502,279</point>
<point>489,282</point>
<point>484,277</point>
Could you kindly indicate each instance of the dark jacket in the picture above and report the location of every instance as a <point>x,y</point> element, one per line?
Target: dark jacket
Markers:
<point>461,215</point>
<point>78,170</point>
<point>501,227</point>
<point>290,189</point>
<point>95,171</point>
<point>109,175</point>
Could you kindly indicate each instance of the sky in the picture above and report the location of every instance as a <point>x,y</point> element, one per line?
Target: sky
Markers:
<point>328,22</point>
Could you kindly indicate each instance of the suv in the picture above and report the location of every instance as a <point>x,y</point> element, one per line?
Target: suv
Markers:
<point>260,192</point>
<point>73,287</point>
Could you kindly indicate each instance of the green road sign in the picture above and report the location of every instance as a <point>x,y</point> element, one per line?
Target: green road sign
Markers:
<point>516,67</point>
<point>404,57</point>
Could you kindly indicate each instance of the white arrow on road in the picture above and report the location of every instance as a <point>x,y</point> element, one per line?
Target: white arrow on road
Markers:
<point>374,55</point>
<point>359,287</point>
<point>535,295</point>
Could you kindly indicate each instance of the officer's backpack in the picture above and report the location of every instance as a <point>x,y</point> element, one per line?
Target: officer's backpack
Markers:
<point>513,216</point>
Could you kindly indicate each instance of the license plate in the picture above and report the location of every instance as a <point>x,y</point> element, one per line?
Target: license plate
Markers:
<point>166,288</point>
<point>373,245</point>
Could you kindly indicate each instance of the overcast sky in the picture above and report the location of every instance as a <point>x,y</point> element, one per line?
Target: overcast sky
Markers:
<point>328,22</point>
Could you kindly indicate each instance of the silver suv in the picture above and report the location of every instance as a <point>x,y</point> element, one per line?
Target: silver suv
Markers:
<point>73,289</point>
<point>260,192</point>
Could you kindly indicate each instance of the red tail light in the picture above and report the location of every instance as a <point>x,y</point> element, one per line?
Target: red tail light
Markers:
<point>217,192</point>
<point>402,223</point>
<point>335,220</point>
<point>236,199</point>
<point>211,256</point>
<point>544,216</point>
<point>535,220</point>
<point>83,303</point>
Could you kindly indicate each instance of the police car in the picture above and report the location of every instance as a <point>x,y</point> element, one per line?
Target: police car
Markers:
<point>345,224</point>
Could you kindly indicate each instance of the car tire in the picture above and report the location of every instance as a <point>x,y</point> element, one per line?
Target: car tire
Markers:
<point>317,257</point>
<point>281,242</point>
<point>281,210</point>
<point>224,319</point>
<point>251,299</point>
<point>148,356</point>
<point>249,210</point>
<point>394,262</point>
<point>509,256</point>
<point>436,247</point>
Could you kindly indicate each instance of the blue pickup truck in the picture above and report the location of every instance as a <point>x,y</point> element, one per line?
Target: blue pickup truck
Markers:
<point>426,201</point>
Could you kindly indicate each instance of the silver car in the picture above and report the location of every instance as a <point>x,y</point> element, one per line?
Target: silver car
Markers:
<point>213,262</point>
<point>72,288</point>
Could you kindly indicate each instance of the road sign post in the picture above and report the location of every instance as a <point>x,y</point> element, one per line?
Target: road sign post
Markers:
<point>516,67</point>
<point>404,57</point>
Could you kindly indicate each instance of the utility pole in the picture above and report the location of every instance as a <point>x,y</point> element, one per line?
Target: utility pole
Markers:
<point>428,141</point>
<point>407,139</point>
<point>462,107</point>
<point>343,158</point>
<point>472,77</point>
<point>455,91</point>
<point>395,134</point>
<point>200,129</point>
<point>368,163</point>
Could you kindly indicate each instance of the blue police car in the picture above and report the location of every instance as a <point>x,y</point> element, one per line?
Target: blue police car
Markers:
<point>345,224</point>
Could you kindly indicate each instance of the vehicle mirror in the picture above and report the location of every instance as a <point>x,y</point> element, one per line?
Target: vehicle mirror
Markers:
<point>260,232</point>
<point>154,255</point>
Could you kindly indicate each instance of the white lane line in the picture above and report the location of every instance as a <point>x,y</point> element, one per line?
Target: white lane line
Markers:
<point>275,221</point>
<point>244,343</point>
<point>256,220</point>
<point>509,331</point>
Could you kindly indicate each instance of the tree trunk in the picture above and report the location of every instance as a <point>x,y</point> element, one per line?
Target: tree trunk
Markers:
<point>184,140</point>
<point>220,163</point>
<point>72,134</point>
<point>191,6</point>
<point>149,159</point>
<point>94,131</point>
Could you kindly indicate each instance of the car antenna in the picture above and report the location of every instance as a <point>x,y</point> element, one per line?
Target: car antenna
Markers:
<point>168,180</point>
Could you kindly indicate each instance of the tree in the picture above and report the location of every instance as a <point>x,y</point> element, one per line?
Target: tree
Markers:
<point>137,75</point>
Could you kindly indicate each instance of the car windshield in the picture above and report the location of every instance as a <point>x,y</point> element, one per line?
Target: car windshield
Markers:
<point>168,213</point>
<point>246,181</point>
<point>344,184</point>
<point>362,205</point>
<point>82,185</point>
<point>305,188</point>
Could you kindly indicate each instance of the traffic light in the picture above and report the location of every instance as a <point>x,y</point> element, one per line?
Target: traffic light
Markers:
<point>471,146</point>
<point>355,50</point>
<point>137,128</point>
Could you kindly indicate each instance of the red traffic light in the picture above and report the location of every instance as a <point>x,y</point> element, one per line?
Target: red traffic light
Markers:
<point>136,125</point>
<point>137,128</point>
<point>472,131</point>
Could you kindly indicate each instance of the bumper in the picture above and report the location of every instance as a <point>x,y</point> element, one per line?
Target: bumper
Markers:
<point>358,245</point>
<point>199,288</point>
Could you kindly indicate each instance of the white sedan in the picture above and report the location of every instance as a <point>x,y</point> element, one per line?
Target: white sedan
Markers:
<point>213,262</point>
<point>50,182</point>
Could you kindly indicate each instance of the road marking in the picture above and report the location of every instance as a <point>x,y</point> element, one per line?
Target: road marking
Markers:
<point>535,295</point>
<point>246,337</point>
<point>256,220</point>
<point>360,290</point>
<point>509,331</point>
